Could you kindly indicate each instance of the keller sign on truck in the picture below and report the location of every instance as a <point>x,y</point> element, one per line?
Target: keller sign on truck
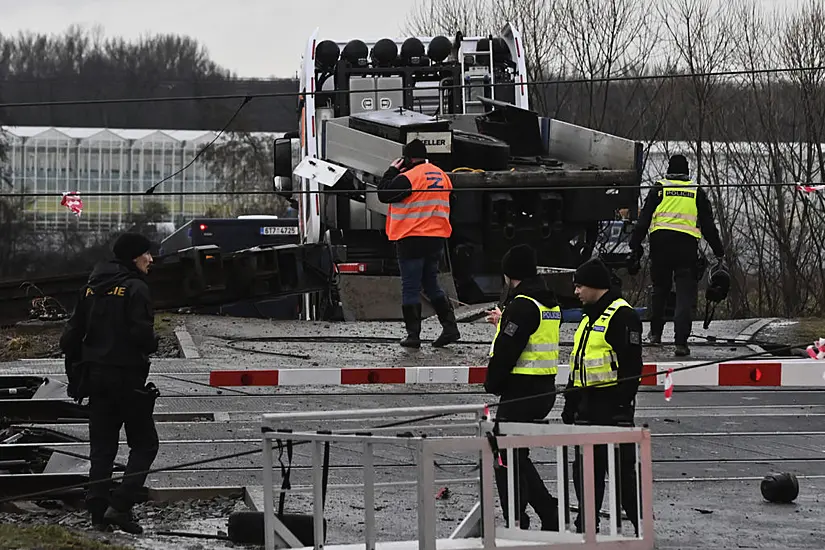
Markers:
<point>436,142</point>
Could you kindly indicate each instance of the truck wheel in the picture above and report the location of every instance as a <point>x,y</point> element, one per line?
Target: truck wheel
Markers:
<point>479,151</point>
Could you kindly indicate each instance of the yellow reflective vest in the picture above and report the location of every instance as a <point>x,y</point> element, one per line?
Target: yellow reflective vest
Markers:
<point>677,210</point>
<point>541,354</point>
<point>593,361</point>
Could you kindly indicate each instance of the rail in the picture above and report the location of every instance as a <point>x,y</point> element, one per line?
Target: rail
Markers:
<point>478,529</point>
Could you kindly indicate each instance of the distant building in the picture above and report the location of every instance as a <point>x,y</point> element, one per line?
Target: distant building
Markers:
<point>92,160</point>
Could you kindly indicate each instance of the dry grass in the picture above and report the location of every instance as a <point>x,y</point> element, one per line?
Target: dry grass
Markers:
<point>49,537</point>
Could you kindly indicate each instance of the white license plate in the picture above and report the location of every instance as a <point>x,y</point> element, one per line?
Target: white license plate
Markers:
<point>279,231</point>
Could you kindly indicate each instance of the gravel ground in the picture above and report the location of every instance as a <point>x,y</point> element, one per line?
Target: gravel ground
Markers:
<point>200,516</point>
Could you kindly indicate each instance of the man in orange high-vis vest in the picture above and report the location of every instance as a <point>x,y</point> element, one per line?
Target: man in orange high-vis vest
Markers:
<point>418,221</point>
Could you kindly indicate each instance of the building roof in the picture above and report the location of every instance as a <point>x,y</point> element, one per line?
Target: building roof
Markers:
<point>115,134</point>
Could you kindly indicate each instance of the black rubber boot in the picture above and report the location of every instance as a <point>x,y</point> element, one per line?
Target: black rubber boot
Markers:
<point>123,520</point>
<point>97,509</point>
<point>412,322</point>
<point>446,315</point>
<point>682,350</point>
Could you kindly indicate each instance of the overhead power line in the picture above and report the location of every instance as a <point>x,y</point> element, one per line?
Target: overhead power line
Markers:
<point>560,82</point>
<point>497,188</point>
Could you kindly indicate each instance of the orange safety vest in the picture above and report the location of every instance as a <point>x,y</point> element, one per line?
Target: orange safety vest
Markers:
<point>426,212</point>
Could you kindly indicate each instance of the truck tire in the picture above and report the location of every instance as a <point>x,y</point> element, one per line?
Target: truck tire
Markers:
<point>480,152</point>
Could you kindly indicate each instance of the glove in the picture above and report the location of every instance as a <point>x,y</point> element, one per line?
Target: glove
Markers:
<point>635,262</point>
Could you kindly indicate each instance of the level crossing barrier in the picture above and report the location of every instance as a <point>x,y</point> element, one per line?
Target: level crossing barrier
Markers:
<point>805,373</point>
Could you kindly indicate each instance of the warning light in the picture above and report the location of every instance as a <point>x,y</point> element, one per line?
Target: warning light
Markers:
<point>756,374</point>
<point>203,227</point>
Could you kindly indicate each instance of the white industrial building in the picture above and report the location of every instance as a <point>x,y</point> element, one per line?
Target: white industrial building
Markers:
<point>103,160</point>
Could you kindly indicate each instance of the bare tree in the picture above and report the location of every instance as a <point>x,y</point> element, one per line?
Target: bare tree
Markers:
<point>243,162</point>
<point>602,40</point>
<point>447,17</point>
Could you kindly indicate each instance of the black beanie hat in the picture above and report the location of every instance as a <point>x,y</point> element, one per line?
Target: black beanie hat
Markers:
<point>415,149</point>
<point>129,246</point>
<point>519,262</point>
<point>593,273</point>
<point>678,164</point>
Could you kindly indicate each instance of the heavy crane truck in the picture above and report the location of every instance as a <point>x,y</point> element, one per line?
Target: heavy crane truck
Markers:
<point>518,177</point>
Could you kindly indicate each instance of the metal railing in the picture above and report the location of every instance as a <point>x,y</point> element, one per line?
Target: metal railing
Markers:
<point>478,528</point>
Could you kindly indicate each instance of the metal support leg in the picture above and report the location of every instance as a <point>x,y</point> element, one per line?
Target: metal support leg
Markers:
<point>269,497</point>
<point>511,491</point>
<point>646,457</point>
<point>619,493</point>
<point>561,481</point>
<point>589,490</point>
<point>426,502</point>
<point>612,454</point>
<point>369,497</point>
<point>318,493</point>
<point>488,511</point>
<point>566,487</point>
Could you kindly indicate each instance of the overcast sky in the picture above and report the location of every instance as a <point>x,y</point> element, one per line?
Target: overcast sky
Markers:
<point>254,38</point>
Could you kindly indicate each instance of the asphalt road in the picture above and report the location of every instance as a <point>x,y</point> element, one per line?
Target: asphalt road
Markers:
<point>710,447</point>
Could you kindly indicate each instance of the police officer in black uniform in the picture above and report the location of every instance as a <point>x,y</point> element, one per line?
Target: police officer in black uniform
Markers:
<point>523,363</point>
<point>107,343</point>
<point>606,348</point>
<point>678,214</point>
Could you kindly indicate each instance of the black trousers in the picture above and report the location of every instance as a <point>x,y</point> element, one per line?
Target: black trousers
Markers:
<point>117,401</point>
<point>669,267</point>
<point>626,474</point>
<point>530,488</point>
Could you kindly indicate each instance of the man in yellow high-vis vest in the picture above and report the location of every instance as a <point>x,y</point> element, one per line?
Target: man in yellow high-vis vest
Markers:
<point>523,363</point>
<point>678,214</point>
<point>607,347</point>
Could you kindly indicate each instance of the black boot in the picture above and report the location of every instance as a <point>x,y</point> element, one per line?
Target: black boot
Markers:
<point>97,508</point>
<point>444,309</point>
<point>412,322</point>
<point>123,519</point>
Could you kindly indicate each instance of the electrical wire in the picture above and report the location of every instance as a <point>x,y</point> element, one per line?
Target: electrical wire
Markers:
<point>246,100</point>
<point>491,188</point>
<point>559,82</point>
<point>405,422</point>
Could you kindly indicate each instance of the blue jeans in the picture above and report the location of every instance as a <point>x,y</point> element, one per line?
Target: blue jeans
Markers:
<point>417,273</point>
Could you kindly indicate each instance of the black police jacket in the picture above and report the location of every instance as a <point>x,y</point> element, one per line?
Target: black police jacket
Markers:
<point>113,322</point>
<point>520,318</point>
<point>610,404</point>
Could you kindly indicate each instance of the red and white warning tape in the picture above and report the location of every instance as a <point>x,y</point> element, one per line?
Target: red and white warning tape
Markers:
<point>790,372</point>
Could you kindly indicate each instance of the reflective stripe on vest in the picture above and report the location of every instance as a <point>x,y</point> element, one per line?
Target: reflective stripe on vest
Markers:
<point>541,354</point>
<point>677,210</point>
<point>426,212</point>
<point>593,360</point>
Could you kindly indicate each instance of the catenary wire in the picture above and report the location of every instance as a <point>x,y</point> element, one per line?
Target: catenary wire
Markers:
<point>498,188</point>
<point>405,422</point>
<point>558,82</point>
<point>243,104</point>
